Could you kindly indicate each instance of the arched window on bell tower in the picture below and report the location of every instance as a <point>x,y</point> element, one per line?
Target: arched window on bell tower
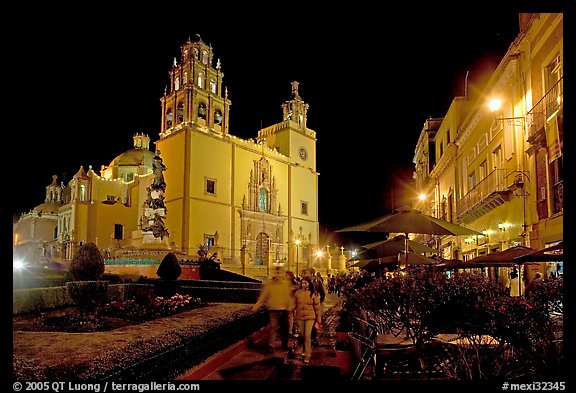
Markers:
<point>217,117</point>
<point>169,118</point>
<point>202,111</point>
<point>180,112</point>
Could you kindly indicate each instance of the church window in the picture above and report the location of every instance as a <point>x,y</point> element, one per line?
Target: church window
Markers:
<point>210,186</point>
<point>196,53</point>
<point>129,176</point>
<point>180,112</point>
<point>185,77</point>
<point>204,57</point>
<point>202,111</point>
<point>218,116</point>
<point>118,231</point>
<point>177,83</point>
<point>201,80</point>
<point>83,191</point>
<point>304,208</point>
<point>263,199</point>
<point>209,241</point>
<point>213,86</point>
<point>169,118</point>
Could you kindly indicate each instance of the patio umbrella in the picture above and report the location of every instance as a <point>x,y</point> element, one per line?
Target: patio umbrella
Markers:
<point>397,244</point>
<point>507,255</point>
<point>375,262</point>
<point>460,264</point>
<point>417,259</point>
<point>504,258</point>
<point>407,220</point>
<point>549,254</point>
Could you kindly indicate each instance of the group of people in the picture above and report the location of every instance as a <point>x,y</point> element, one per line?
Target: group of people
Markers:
<point>294,307</point>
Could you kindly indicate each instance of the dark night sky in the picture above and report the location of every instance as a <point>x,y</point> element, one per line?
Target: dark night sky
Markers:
<point>371,82</point>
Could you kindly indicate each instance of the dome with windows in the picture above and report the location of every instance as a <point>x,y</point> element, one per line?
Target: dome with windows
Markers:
<point>134,157</point>
<point>137,160</point>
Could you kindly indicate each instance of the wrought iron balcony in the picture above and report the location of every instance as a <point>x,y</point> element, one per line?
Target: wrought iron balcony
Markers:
<point>489,193</point>
<point>548,104</point>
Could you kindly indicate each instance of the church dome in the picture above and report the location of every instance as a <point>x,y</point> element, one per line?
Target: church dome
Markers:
<point>47,207</point>
<point>134,157</point>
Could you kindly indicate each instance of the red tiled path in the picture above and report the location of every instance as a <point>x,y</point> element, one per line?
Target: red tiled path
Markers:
<point>247,360</point>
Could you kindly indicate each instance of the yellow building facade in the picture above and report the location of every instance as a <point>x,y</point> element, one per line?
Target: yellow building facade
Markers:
<point>252,202</point>
<point>497,169</point>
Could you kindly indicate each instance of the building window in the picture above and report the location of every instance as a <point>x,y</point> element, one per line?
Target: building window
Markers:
<point>118,231</point>
<point>218,117</point>
<point>263,199</point>
<point>211,186</point>
<point>304,208</point>
<point>129,176</point>
<point>202,111</point>
<point>483,169</point>
<point>83,192</point>
<point>472,180</point>
<point>177,83</point>
<point>201,80</point>
<point>204,57</point>
<point>185,77</point>
<point>209,241</point>
<point>213,86</point>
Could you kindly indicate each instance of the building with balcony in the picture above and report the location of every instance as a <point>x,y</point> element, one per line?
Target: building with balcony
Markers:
<point>497,169</point>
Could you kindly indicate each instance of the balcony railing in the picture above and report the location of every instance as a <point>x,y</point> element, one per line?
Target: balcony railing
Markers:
<point>493,183</point>
<point>550,103</point>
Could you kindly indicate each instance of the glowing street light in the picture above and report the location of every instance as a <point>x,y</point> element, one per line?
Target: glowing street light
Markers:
<point>297,243</point>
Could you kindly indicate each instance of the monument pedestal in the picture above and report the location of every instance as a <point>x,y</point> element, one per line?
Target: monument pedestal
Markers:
<point>146,240</point>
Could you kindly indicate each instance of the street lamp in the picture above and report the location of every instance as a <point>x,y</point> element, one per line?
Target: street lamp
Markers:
<point>495,105</point>
<point>297,243</point>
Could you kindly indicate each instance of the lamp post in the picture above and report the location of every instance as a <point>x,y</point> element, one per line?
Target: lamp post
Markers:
<point>297,243</point>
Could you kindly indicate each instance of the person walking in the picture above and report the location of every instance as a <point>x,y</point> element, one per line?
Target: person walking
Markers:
<point>318,283</point>
<point>307,302</point>
<point>277,296</point>
<point>291,278</point>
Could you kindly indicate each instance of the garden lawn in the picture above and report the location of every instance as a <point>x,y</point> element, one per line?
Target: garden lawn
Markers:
<point>81,356</point>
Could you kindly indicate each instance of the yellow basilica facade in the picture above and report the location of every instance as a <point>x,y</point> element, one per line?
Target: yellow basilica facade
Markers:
<point>252,202</point>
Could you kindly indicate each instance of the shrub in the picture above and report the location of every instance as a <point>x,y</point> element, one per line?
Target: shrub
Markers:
<point>87,264</point>
<point>169,268</point>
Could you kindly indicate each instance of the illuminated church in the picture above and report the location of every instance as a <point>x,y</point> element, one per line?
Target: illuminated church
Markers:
<point>252,202</point>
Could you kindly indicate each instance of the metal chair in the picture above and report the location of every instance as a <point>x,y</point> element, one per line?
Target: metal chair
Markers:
<point>365,350</point>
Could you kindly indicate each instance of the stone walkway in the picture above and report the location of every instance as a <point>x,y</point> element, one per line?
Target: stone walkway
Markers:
<point>247,360</point>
